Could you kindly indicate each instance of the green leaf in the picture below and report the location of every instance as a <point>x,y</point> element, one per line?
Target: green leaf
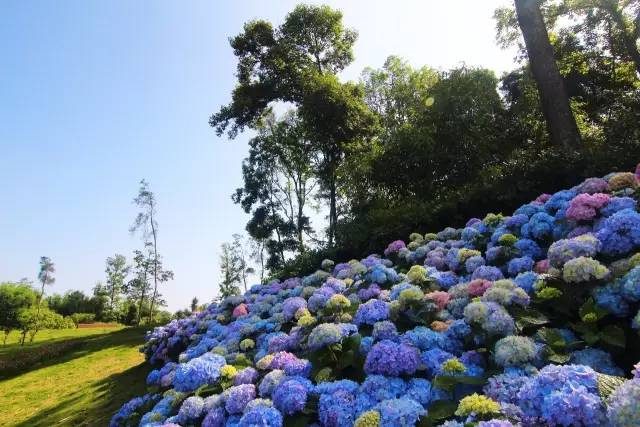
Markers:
<point>441,409</point>
<point>297,421</point>
<point>607,385</point>
<point>552,338</point>
<point>529,317</point>
<point>613,335</point>
<point>559,358</point>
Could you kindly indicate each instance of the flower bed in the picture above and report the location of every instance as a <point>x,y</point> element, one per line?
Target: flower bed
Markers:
<point>530,319</point>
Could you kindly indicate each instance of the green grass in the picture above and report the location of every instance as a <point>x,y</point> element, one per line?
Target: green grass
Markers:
<point>48,336</point>
<point>82,387</point>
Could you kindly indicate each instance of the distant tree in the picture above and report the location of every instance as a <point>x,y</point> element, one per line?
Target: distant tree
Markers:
<point>32,320</point>
<point>256,252</point>
<point>194,304</point>
<point>45,276</point>
<point>117,271</point>
<point>278,184</point>
<point>14,297</point>
<point>242,252</point>
<point>146,223</point>
<point>138,288</point>
<point>131,317</point>
<point>69,303</point>
<point>100,302</point>
<point>182,314</point>
<point>563,130</point>
<point>230,271</point>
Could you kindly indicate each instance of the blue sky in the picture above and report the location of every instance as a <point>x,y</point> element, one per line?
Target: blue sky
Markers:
<point>95,96</point>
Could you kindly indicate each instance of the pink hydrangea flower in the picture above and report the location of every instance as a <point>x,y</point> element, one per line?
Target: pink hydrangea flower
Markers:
<point>585,206</point>
<point>478,287</point>
<point>542,199</point>
<point>441,298</point>
<point>240,310</point>
<point>541,267</point>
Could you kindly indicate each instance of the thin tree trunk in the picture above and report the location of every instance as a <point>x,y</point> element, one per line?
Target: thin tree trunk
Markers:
<point>333,214</point>
<point>142,295</point>
<point>155,267</point>
<point>561,123</point>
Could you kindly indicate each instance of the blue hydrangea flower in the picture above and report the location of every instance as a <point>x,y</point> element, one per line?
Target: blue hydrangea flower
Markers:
<point>290,396</point>
<point>384,330</point>
<point>620,233</point>
<point>393,359</point>
<point>598,360</point>
<point>623,409</point>
<point>237,397</point>
<point>399,412</point>
<point>563,395</point>
<point>199,371</point>
<point>261,416</point>
<point>327,334</point>
<point>371,312</point>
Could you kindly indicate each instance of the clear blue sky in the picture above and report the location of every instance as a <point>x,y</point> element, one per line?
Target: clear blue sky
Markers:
<point>96,95</point>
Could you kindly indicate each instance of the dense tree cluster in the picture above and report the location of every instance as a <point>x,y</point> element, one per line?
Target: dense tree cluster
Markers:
<point>406,148</point>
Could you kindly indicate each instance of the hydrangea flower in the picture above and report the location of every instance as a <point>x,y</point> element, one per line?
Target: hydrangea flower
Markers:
<point>261,416</point>
<point>623,409</point>
<point>290,396</point>
<point>584,207</point>
<point>399,412</point>
<point>596,359</point>
<point>327,334</point>
<point>237,397</point>
<point>620,233</point>
<point>199,371</point>
<point>491,316</point>
<point>563,395</point>
<point>393,359</point>
<point>371,312</point>
<point>584,269</point>
<point>514,350</point>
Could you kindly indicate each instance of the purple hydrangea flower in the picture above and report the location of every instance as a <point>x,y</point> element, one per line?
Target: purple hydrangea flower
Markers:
<point>393,359</point>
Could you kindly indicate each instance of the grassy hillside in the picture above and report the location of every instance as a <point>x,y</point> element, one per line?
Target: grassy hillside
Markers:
<point>91,375</point>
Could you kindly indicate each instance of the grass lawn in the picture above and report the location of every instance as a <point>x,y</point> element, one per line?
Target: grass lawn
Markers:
<point>48,336</point>
<point>83,386</point>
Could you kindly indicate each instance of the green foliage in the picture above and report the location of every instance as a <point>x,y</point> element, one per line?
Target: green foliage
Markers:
<point>83,318</point>
<point>14,297</point>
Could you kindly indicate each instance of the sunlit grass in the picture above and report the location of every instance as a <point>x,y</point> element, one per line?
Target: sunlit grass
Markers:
<point>50,335</point>
<point>82,387</point>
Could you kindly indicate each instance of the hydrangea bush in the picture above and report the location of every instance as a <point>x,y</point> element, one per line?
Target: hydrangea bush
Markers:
<point>524,320</point>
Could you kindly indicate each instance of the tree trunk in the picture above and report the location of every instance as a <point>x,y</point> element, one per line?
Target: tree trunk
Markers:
<point>561,123</point>
<point>142,295</point>
<point>155,267</point>
<point>333,214</point>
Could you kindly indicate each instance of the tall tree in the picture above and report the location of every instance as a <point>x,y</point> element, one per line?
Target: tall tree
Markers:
<point>242,251</point>
<point>138,288</point>
<point>279,179</point>
<point>563,130</point>
<point>298,63</point>
<point>146,223</point>
<point>194,304</point>
<point>117,271</point>
<point>230,271</point>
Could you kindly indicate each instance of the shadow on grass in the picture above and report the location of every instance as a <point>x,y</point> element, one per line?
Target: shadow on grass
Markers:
<point>80,409</point>
<point>73,349</point>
